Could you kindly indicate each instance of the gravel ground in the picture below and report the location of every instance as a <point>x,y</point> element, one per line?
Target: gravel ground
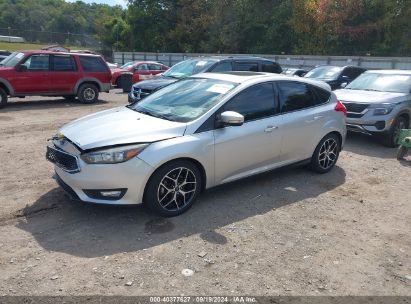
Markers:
<point>287,232</point>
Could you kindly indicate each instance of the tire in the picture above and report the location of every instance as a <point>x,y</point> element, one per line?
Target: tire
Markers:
<point>326,154</point>
<point>88,93</point>
<point>401,152</point>
<point>164,196</point>
<point>118,82</point>
<point>3,98</point>
<point>390,139</point>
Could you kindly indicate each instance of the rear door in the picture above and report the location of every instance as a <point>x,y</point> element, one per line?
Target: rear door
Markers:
<point>141,72</point>
<point>303,118</point>
<point>247,149</point>
<point>64,73</point>
<point>155,69</point>
<point>35,78</point>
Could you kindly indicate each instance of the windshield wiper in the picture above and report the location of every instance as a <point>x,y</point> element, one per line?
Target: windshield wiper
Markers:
<point>372,90</point>
<point>156,115</point>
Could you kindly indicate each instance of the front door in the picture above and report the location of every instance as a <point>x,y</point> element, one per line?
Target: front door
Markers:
<point>34,78</point>
<point>256,145</point>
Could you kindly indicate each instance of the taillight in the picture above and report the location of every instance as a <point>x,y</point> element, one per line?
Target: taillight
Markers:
<point>339,107</point>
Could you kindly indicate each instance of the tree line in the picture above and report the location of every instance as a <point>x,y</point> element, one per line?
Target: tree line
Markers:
<point>320,27</point>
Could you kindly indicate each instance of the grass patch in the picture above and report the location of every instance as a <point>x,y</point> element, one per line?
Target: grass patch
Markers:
<point>31,46</point>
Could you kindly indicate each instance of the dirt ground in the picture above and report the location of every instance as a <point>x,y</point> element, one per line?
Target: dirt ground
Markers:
<point>288,232</point>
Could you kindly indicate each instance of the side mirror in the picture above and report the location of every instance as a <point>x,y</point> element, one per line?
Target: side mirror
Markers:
<point>343,85</point>
<point>345,79</point>
<point>22,68</point>
<point>231,118</point>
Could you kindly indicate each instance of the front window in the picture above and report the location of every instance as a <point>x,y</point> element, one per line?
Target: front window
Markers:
<point>127,65</point>
<point>189,67</point>
<point>184,100</point>
<point>382,83</point>
<point>326,72</point>
<point>12,60</point>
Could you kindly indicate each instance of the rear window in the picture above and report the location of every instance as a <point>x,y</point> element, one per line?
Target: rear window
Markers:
<point>64,63</point>
<point>245,66</point>
<point>93,64</point>
<point>270,67</point>
<point>322,96</point>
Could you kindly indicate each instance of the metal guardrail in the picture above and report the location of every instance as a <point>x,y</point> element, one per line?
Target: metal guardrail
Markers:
<point>298,61</point>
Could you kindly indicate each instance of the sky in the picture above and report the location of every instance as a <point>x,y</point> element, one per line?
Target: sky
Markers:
<point>109,2</point>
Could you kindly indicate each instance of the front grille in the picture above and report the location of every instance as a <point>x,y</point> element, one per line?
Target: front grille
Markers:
<point>355,107</point>
<point>63,160</point>
<point>141,93</point>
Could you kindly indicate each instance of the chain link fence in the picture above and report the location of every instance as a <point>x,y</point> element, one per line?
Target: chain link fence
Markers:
<point>50,37</point>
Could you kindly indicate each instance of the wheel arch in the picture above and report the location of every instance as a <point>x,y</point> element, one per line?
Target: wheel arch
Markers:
<point>93,81</point>
<point>6,86</point>
<point>192,160</point>
<point>405,114</point>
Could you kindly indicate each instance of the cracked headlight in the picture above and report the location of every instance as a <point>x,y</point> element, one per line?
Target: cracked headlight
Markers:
<point>113,155</point>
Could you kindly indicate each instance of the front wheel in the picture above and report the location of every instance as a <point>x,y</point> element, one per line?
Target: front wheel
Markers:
<point>326,154</point>
<point>87,93</point>
<point>391,138</point>
<point>3,98</point>
<point>173,188</point>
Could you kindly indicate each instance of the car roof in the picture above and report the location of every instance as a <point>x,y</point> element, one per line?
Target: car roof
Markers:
<point>220,58</point>
<point>57,53</point>
<point>244,77</point>
<point>390,72</point>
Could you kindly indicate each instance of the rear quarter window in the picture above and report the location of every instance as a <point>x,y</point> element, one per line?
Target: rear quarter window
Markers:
<point>321,96</point>
<point>271,67</point>
<point>93,64</point>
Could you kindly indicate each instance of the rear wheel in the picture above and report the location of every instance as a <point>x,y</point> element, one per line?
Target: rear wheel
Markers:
<point>391,138</point>
<point>3,98</point>
<point>326,154</point>
<point>88,93</point>
<point>173,188</point>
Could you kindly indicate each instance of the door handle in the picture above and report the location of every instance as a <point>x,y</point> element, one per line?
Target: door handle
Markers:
<point>270,129</point>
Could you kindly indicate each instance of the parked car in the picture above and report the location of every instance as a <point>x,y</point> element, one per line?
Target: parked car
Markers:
<point>199,132</point>
<point>3,55</point>
<point>337,77</point>
<point>378,103</point>
<point>294,72</point>
<point>45,73</point>
<point>200,65</point>
<point>112,66</point>
<point>141,70</point>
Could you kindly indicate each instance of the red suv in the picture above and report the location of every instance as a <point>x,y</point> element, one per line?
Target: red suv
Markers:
<point>141,70</point>
<point>44,73</point>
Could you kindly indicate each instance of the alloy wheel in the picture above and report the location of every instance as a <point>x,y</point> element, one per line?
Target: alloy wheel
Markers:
<point>328,153</point>
<point>89,94</point>
<point>177,189</point>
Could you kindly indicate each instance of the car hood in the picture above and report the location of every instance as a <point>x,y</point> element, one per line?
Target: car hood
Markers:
<point>369,96</point>
<point>155,83</point>
<point>119,126</point>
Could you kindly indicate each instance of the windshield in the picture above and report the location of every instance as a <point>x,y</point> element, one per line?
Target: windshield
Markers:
<point>382,83</point>
<point>189,67</point>
<point>12,60</point>
<point>184,100</point>
<point>127,65</point>
<point>325,72</point>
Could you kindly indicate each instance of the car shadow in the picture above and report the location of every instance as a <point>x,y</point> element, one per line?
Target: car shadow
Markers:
<point>42,104</point>
<point>88,230</point>
<point>368,146</point>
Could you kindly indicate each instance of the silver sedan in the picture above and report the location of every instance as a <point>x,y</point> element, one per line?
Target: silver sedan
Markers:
<point>197,133</point>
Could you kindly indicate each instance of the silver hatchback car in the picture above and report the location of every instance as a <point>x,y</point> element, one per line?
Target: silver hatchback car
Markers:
<point>197,133</point>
